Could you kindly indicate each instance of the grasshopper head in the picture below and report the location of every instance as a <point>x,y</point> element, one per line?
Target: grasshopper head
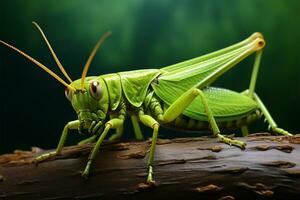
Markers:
<point>89,102</point>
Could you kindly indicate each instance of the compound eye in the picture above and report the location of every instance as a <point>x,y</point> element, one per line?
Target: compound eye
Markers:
<point>68,94</point>
<point>95,90</point>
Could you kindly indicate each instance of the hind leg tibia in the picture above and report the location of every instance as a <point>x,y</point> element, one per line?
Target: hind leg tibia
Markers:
<point>272,124</point>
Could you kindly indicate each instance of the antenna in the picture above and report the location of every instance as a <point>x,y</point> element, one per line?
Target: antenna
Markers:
<point>39,65</point>
<point>89,60</point>
<point>53,53</point>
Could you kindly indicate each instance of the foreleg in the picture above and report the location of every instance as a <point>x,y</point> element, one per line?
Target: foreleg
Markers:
<point>113,123</point>
<point>88,140</point>
<point>117,135</point>
<point>96,128</point>
<point>68,126</point>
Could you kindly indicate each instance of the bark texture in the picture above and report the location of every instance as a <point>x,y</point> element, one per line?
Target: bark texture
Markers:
<point>185,168</point>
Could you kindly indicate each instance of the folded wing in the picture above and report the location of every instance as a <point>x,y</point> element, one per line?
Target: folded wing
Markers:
<point>200,73</point>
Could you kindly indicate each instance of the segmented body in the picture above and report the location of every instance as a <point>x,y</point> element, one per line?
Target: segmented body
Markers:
<point>185,123</point>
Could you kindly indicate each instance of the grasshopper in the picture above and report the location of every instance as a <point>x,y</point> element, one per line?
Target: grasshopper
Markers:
<point>177,96</point>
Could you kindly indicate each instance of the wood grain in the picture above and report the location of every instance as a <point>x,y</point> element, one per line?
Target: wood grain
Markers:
<point>185,168</point>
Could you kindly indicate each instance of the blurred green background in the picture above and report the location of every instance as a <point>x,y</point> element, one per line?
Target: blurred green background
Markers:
<point>146,34</point>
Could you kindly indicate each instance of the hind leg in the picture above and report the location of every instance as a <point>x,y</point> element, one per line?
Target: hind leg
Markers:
<point>272,124</point>
<point>215,127</point>
<point>177,107</point>
<point>251,93</point>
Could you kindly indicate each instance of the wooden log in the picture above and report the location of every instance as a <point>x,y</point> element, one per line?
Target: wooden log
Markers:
<point>185,168</point>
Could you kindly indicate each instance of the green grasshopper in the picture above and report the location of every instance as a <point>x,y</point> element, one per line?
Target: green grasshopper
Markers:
<point>177,96</point>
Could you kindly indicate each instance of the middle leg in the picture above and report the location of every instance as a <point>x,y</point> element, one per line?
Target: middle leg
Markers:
<point>113,123</point>
<point>173,111</point>
<point>136,127</point>
<point>149,121</point>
